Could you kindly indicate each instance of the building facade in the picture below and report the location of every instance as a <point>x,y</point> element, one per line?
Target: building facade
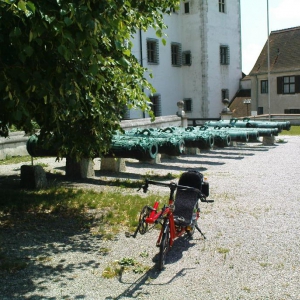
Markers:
<point>278,74</point>
<point>200,62</point>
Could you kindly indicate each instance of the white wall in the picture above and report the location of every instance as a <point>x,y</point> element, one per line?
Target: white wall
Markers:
<point>202,31</point>
<point>223,29</point>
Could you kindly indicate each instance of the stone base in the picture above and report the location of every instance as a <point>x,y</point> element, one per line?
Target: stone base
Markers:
<point>33,177</point>
<point>113,164</point>
<point>268,140</point>
<point>156,160</point>
<point>81,169</point>
<point>192,151</point>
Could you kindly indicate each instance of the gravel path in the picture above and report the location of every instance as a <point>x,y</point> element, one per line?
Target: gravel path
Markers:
<point>251,251</point>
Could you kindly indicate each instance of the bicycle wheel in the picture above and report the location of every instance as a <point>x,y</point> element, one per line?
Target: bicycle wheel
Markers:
<point>191,230</point>
<point>164,246</point>
<point>143,226</point>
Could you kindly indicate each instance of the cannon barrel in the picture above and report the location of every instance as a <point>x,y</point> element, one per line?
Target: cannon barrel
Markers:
<point>238,136</point>
<point>142,149</point>
<point>167,144</point>
<point>273,127</point>
<point>221,137</point>
<point>35,149</point>
<point>281,125</point>
<point>138,148</point>
<point>192,137</point>
<point>253,133</point>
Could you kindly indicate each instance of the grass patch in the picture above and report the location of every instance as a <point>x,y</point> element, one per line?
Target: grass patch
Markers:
<point>10,160</point>
<point>223,251</point>
<point>116,268</point>
<point>152,176</point>
<point>295,130</point>
<point>118,210</point>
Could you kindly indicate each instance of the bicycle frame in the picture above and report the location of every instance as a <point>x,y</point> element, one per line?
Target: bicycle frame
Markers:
<point>170,228</point>
<point>166,214</point>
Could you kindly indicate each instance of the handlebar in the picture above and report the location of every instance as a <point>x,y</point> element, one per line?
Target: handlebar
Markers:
<point>172,186</point>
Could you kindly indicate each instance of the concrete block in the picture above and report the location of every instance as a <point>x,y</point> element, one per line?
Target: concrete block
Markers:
<point>113,164</point>
<point>268,140</point>
<point>33,177</point>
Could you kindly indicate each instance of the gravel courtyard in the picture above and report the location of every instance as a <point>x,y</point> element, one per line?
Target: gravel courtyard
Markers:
<point>252,230</point>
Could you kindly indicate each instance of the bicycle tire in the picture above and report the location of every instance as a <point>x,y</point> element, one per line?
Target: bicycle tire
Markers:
<point>164,246</point>
<point>190,232</point>
<point>143,226</point>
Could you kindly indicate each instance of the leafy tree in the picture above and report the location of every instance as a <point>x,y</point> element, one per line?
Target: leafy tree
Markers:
<point>67,66</point>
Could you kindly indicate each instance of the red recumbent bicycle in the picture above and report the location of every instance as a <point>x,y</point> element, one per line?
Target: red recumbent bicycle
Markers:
<point>180,216</point>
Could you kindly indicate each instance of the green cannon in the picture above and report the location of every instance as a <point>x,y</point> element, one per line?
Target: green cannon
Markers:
<point>221,137</point>
<point>247,123</point>
<point>193,138</point>
<point>167,143</point>
<point>235,134</point>
<point>35,149</point>
<point>137,148</point>
<point>141,148</point>
<point>286,125</point>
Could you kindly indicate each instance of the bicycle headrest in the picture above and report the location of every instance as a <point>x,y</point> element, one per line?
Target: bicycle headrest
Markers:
<point>191,178</point>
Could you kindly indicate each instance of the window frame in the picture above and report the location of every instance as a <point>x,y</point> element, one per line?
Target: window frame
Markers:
<point>289,87</point>
<point>186,6</point>
<point>264,86</point>
<point>188,105</point>
<point>185,61</point>
<point>224,94</point>
<point>224,55</point>
<point>155,100</point>
<point>152,51</point>
<point>222,6</point>
<point>280,85</point>
<point>176,54</point>
<point>292,111</point>
<point>260,110</point>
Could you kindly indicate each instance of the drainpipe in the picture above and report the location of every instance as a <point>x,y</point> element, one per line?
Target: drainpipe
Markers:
<point>257,103</point>
<point>141,56</point>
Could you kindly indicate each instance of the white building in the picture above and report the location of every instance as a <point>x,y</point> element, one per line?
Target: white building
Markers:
<point>201,61</point>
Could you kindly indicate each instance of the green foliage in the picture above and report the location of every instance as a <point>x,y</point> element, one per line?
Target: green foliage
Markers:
<point>68,67</point>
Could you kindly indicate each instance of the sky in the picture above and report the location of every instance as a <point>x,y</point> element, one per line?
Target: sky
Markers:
<point>282,14</point>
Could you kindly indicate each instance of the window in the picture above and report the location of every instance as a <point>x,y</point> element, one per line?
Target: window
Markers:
<point>187,7</point>
<point>186,58</point>
<point>288,85</point>
<point>152,51</point>
<point>156,105</point>
<point>187,105</point>
<point>176,54</point>
<point>260,110</point>
<point>222,6</point>
<point>264,87</point>
<point>292,111</point>
<point>125,113</point>
<point>225,94</point>
<point>224,55</point>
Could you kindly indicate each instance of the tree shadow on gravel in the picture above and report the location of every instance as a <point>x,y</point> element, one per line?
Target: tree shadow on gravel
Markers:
<point>35,246</point>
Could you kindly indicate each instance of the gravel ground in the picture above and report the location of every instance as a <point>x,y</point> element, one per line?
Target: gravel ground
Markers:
<point>252,230</point>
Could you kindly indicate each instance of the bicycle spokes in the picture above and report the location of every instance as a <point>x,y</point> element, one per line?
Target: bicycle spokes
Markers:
<point>143,226</point>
